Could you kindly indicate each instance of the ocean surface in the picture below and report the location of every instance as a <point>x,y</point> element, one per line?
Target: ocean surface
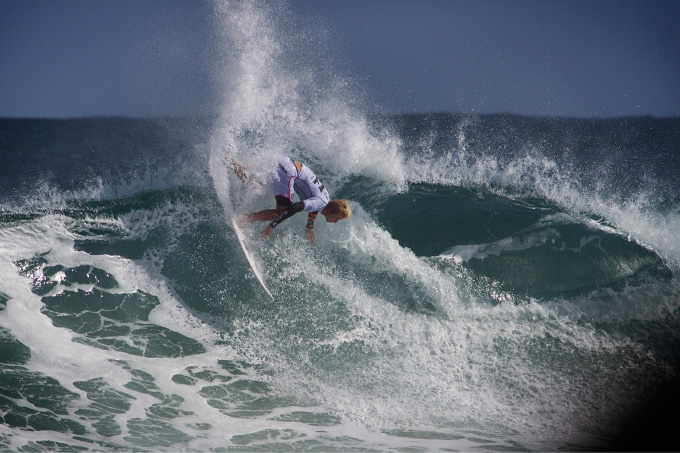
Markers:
<point>505,283</point>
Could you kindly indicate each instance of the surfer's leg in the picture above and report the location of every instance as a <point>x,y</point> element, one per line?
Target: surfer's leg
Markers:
<point>283,190</point>
<point>266,215</point>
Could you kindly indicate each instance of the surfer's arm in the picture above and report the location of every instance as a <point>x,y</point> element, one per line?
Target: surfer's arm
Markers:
<point>311,217</point>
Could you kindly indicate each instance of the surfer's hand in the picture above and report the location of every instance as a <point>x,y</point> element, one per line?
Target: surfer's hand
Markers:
<point>267,232</point>
<point>310,235</point>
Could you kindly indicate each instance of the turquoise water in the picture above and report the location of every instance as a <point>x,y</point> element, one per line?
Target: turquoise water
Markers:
<point>443,314</point>
<point>504,283</point>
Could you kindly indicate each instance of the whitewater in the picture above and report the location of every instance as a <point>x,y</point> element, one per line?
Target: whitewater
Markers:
<point>504,282</point>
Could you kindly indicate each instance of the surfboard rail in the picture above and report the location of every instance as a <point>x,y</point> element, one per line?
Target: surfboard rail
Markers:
<point>220,174</point>
<point>246,252</point>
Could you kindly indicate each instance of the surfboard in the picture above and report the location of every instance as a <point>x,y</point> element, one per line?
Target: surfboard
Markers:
<point>246,252</point>
<point>221,175</point>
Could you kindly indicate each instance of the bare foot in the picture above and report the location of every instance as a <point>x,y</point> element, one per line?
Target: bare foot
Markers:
<point>238,170</point>
<point>242,223</point>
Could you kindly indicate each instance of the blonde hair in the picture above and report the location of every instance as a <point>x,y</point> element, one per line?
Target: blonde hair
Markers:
<point>340,206</point>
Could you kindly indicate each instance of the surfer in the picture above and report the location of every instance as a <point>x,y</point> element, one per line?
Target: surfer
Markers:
<point>294,177</point>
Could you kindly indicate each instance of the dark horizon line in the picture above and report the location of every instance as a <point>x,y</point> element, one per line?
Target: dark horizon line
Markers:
<point>371,115</point>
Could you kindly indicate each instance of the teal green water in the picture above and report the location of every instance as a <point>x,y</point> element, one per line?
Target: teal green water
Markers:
<point>475,300</point>
<point>505,283</point>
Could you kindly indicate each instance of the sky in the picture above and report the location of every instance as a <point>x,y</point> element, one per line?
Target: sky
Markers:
<point>571,58</point>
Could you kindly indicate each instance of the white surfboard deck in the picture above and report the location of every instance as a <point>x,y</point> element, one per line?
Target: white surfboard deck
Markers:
<point>221,174</point>
<point>242,243</point>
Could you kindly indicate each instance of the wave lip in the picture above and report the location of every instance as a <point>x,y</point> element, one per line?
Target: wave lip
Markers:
<point>505,282</point>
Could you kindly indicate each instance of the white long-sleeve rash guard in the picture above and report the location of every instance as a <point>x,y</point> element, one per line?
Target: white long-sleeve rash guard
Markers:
<point>313,195</point>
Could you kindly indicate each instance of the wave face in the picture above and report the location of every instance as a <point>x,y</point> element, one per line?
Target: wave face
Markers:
<point>504,282</point>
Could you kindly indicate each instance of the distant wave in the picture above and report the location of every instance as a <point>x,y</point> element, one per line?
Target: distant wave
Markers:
<point>504,282</point>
